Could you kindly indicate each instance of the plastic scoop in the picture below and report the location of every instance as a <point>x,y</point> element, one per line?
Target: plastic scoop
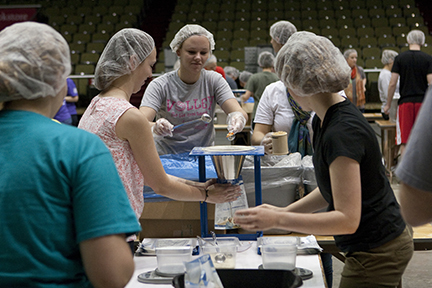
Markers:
<point>230,136</point>
<point>204,118</point>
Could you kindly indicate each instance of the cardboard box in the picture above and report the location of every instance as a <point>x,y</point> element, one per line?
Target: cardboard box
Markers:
<point>171,219</point>
<point>248,108</point>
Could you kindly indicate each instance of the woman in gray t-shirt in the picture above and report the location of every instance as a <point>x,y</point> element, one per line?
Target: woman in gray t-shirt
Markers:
<point>187,93</point>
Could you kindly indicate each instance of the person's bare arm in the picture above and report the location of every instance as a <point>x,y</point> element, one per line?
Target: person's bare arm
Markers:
<point>391,90</point>
<point>259,132</point>
<point>345,219</point>
<point>135,128</point>
<point>107,261</point>
<point>72,99</point>
<point>416,205</point>
<point>429,79</point>
<point>246,95</point>
<point>148,112</point>
<point>312,202</point>
<point>232,105</point>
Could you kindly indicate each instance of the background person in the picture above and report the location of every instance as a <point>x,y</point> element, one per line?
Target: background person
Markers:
<point>415,193</point>
<point>123,67</point>
<point>232,75</point>
<point>277,110</point>
<point>244,77</point>
<point>387,59</point>
<point>211,64</point>
<point>63,115</point>
<point>61,218</point>
<point>257,82</point>
<point>362,211</point>
<point>187,93</point>
<point>414,68</point>
<point>280,32</point>
<point>355,91</point>
<point>72,98</point>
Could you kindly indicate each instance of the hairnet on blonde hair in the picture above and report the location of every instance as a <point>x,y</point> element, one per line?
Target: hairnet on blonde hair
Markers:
<point>34,61</point>
<point>189,30</point>
<point>266,60</point>
<point>281,31</point>
<point>388,56</point>
<point>416,37</point>
<point>124,52</point>
<point>309,64</point>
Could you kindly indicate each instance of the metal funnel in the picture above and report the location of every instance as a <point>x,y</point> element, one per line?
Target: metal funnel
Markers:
<point>228,167</point>
<point>228,160</point>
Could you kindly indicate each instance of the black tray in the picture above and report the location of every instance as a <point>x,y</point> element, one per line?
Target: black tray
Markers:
<point>251,278</point>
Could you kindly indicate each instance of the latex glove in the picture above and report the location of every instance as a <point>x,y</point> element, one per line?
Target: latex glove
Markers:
<point>236,122</point>
<point>267,142</point>
<point>162,127</point>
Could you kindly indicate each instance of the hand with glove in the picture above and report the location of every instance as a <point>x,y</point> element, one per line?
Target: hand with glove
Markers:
<point>236,122</point>
<point>267,142</point>
<point>162,127</point>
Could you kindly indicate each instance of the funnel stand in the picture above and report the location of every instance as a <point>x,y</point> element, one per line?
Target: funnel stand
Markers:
<point>257,152</point>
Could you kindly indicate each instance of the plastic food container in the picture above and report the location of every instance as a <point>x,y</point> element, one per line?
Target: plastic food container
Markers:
<point>223,255</point>
<point>279,252</point>
<point>279,255</point>
<point>171,253</point>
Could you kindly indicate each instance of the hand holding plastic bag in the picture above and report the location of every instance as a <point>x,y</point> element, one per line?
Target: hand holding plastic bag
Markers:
<point>221,193</point>
<point>236,122</point>
<point>162,127</point>
<point>267,142</point>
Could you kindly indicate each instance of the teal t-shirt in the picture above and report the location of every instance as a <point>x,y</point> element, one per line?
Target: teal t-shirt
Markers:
<point>58,186</point>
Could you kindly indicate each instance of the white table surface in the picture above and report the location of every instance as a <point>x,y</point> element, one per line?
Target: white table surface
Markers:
<point>248,259</point>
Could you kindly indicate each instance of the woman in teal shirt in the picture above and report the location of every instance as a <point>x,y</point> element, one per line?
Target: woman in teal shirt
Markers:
<point>63,222</point>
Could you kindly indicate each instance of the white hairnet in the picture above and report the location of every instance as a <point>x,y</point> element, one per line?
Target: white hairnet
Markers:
<point>34,61</point>
<point>388,56</point>
<point>124,52</point>
<point>244,76</point>
<point>188,31</point>
<point>281,31</point>
<point>309,64</point>
<point>266,59</point>
<point>416,37</point>
<point>232,71</point>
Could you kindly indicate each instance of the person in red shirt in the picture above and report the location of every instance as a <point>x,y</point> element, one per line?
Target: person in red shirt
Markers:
<point>211,64</point>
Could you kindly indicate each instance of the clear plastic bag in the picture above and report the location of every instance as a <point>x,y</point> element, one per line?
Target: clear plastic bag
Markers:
<point>224,212</point>
<point>201,273</point>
